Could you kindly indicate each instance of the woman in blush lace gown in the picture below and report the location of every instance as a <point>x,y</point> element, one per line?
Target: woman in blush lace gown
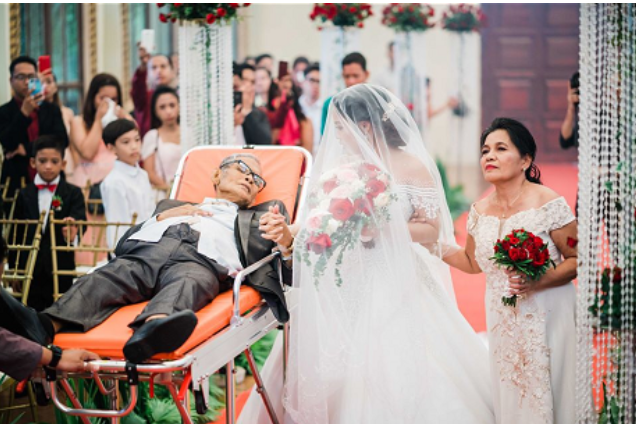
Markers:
<point>376,336</point>
<point>532,345</point>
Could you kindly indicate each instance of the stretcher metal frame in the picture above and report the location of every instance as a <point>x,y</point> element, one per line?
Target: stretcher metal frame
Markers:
<point>192,371</point>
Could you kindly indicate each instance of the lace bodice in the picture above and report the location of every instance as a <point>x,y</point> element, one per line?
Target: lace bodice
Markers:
<point>518,335</point>
<point>486,229</point>
<point>416,195</point>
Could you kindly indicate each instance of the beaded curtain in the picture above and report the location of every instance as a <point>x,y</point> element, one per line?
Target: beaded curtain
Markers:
<point>606,314</point>
<point>205,84</point>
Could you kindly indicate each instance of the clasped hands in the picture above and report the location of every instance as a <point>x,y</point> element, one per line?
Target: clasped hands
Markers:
<point>275,228</point>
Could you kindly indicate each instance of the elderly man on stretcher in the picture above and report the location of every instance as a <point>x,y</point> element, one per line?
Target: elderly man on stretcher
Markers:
<point>179,261</point>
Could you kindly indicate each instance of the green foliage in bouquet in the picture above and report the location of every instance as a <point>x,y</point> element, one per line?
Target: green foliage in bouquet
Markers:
<point>403,17</point>
<point>211,12</point>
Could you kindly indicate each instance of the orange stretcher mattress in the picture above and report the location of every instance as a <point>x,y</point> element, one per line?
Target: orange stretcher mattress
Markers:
<point>108,338</point>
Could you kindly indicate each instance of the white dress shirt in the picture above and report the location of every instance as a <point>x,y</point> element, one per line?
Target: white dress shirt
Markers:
<point>126,190</point>
<point>216,240</point>
<point>313,111</point>
<point>45,197</point>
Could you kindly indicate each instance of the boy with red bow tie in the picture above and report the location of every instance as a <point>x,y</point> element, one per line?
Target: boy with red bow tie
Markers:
<point>49,192</point>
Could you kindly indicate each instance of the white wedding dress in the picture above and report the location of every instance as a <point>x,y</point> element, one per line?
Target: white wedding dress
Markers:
<point>533,345</point>
<point>417,362</point>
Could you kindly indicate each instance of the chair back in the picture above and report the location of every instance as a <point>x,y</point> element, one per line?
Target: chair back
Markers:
<point>89,246</point>
<point>283,168</point>
<point>94,205</point>
<point>23,244</point>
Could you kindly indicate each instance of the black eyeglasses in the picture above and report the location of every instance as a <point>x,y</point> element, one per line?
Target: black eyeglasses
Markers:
<point>242,166</point>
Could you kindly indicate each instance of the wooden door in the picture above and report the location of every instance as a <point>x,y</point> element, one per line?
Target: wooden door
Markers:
<point>529,52</point>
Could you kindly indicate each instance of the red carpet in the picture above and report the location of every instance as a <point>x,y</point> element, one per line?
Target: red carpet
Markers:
<point>470,289</point>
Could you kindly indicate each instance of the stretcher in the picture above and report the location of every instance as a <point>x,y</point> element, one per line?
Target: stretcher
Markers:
<point>228,326</point>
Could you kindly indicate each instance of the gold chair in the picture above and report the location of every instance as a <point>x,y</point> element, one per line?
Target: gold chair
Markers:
<point>22,254</point>
<point>93,206</point>
<point>90,246</point>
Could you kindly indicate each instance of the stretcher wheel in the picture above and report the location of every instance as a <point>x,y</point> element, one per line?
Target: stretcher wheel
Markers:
<point>199,400</point>
<point>40,394</point>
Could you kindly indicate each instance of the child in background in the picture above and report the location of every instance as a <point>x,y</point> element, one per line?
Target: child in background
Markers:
<point>49,192</point>
<point>126,190</point>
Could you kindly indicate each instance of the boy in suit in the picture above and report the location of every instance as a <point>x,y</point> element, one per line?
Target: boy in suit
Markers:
<point>51,193</point>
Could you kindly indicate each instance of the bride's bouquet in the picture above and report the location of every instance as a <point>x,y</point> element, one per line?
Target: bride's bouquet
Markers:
<point>523,251</point>
<point>347,209</point>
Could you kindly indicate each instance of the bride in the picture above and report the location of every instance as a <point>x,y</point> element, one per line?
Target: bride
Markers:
<point>377,336</point>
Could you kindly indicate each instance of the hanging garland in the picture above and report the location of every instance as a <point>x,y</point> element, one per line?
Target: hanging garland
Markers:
<point>463,18</point>
<point>341,14</point>
<point>211,12</point>
<point>404,17</point>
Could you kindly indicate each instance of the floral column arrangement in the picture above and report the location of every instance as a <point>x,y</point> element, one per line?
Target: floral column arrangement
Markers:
<point>464,22</point>
<point>410,21</point>
<point>339,23</point>
<point>205,70</point>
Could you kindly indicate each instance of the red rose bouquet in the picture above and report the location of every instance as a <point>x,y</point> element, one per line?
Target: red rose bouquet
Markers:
<point>403,17</point>
<point>211,12</point>
<point>463,18</point>
<point>348,208</point>
<point>341,14</point>
<point>522,251</point>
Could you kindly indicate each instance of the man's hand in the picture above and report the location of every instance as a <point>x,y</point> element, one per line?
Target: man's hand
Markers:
<point>69,231</point>
<point>239,118</point>
<point>274,227</point>
<point>184,210</point>
<point>20,151</point>
<point>30,103</point>
<point>72,360</point>
<point>573,97</point>
<point>143,55</point>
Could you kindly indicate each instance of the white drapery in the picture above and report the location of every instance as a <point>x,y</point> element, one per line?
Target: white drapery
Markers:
<point>205,84</point>
<point>410,75</point>
<point>335,43</point>
<point>607,231</point>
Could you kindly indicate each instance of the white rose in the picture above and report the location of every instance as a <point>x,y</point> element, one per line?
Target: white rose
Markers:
<point>347,175</point>
<point>341,192</point>
<point>324,204</point>
<point>383,177</point>
<point>332,226</point>
<point>356,186</point>
<point>381,200</point>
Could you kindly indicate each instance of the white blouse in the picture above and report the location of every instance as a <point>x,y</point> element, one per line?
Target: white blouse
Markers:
<point>167,155</point>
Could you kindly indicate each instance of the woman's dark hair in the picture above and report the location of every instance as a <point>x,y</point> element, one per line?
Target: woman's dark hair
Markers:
<point>155,122</point>
<point>357,106</point>
<point>98,81</point>
<point>521,138</point>
<point>116,129</point>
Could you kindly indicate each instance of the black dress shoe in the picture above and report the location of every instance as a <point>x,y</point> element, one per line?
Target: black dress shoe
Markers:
<point>161,335</point>
<point>24,321</point>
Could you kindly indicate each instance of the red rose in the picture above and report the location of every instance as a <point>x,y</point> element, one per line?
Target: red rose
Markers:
<point>55,203</point>
<point>514,241</point>
<point>220,12</point>
<point>572,242</point>
<point>360,25</point>
<point>318,244</point>
<point>173,20</point>
<point>246,4</point>
<point>234,5</point>
<point>410,106</point>
<point>161,4</point>
<point>410,9</point>
<point>539,261</point>
<point>506,245</point>
<point>341,209</point>
<point>330,185</point>
<point>514,254</point>
<point>497,248</point>
<point>618,275</point>
<point>431,12</point>
<point>400,9</point>
<point>523,254</point>
<point>363,205</point>
<point>370,12</point>
<point>538,242</point>
<point>353,9</point>
<point>210,18</point>
<point>163,18</point>
<point>344,7</point>
<point>375,187</point>
<point>177,4</point>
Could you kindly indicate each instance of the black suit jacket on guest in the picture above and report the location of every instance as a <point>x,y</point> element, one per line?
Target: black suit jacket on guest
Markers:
<point>252,247</point>
<point>13,132</point>
<point>256,128</point>
<point>27,208</point>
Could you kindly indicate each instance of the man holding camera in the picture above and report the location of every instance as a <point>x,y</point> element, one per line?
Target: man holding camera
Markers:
<point>23,119</point>
<point>569,135</point>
